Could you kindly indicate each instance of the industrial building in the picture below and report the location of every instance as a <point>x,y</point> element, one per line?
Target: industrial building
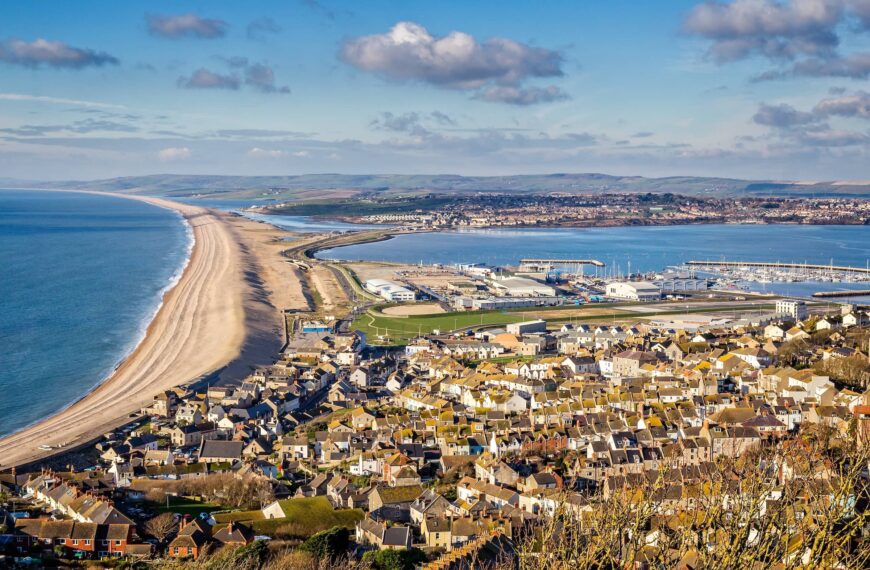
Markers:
<point>680,282</point>
<point>633,291</point>
<point>792,309</point>
<point>527,327</point>
<point>465,303</point>
<point>389,290</point>
<point>521,287</point>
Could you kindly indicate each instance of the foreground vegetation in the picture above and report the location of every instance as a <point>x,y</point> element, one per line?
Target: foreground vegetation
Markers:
<point>797,504</point>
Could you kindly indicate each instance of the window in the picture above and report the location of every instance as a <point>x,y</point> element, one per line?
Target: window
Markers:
<point>87,542</point>
<point>117,543</point>
<point>75,542</point>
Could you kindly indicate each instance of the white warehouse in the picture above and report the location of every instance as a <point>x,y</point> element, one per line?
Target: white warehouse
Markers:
<point>521,287</point>
<point>389,290</point>
<point>633,291</point>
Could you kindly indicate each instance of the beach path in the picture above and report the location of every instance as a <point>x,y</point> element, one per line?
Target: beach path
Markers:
<point>199,328</point>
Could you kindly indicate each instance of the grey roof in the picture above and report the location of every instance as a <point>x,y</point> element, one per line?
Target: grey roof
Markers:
<point>397,536</point>
<point>218,449</point>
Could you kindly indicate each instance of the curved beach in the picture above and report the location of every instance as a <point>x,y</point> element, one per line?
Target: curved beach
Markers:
<point>200,327</point>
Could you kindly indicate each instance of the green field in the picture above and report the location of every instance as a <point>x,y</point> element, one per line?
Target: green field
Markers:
<point>400,329</point>
<point>306,516</point>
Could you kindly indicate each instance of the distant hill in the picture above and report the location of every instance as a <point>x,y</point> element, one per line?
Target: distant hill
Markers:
<point>325,186</point>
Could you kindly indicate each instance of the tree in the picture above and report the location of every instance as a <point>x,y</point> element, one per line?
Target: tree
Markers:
<point>161,526</point>
<point>328,544</point>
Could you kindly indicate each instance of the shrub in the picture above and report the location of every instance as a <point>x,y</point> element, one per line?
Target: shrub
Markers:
<point>394,559</point>
<point>328,544</point>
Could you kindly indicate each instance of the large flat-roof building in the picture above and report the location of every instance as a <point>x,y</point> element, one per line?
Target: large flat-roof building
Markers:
<point>521,287</point>
<point>680,282</point>
<point>389,290</point>
<point>527,327</point>
<point>633,291</point>
<point>466,303</point>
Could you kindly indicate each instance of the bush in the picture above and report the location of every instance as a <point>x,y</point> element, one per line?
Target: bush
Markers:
<point>394,559</point>
<point>328,544</point>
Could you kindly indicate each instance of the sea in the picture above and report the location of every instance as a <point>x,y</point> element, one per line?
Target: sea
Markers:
<point>81,276</point>
<point>634,249</point>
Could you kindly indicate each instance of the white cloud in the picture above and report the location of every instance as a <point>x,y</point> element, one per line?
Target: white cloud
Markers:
<point>455,61</point>
<point>174,153</point>
<point>258,152</point>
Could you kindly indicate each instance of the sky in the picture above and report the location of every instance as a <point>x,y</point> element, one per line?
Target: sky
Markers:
<point>756,89</point>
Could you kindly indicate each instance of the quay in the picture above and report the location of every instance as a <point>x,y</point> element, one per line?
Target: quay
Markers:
<point>778,265</point>
<point>831,294</point>
<point>539,264</point>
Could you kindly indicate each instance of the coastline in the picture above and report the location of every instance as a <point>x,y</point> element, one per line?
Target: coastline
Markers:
<point>137,336</point>
<point>199,327</point>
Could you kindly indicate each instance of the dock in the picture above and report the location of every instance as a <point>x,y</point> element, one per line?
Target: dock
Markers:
<point>832,294</point>
<point>540,264</point>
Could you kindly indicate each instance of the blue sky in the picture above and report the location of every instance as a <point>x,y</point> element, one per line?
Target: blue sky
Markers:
<point>740,88</point>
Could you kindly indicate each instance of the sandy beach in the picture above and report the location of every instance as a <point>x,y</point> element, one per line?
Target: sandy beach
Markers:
<point>206,321</point>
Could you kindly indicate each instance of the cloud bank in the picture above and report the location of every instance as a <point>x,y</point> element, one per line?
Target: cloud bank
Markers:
<point>496,68</point>
<point>802,37</point>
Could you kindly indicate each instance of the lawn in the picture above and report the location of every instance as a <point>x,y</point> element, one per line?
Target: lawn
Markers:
<point>187,506</point>
<point>400,329</point>
<point>306,516</point>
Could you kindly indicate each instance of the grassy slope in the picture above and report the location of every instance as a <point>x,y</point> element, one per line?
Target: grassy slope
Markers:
<point>306,516</point>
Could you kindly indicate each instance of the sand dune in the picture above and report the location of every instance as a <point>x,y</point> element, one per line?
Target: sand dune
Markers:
<point>199,329</point>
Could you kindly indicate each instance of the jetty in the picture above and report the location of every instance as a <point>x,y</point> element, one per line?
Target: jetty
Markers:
<point>833,294</point>
<point>540,264</point>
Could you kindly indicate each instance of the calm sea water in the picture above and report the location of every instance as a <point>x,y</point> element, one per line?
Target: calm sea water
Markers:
<point>644,248</point>
<point>305,224</point>
<point>80,278</point>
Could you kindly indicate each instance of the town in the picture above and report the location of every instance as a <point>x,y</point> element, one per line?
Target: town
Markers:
<point>451,448</point>
<point>494,209</point>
